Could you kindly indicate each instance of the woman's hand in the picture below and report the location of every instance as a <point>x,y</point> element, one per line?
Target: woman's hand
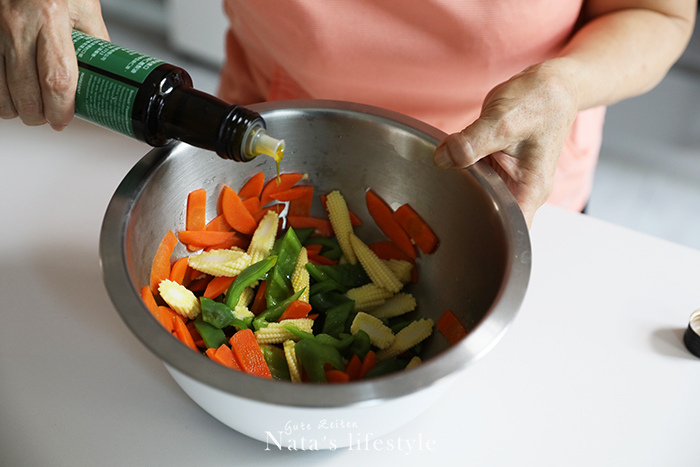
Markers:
<point>521,132</point>
<point>38,68</point>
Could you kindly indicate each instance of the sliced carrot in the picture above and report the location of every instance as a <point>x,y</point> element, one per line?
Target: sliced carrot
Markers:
<point>218,224</point>
<point>217,286</point>
<point>149,300</point>
<point>204,238</point>
<point>160,267</point>
<point>223,355</point>
<point>252,204</point>
<point>248,354</point>
<point>293,193</point>
<point>368,363</point>
<point>320,259</point>
<point>196,337</point>
<point>236,213</point>
<point>259,304</point>
<point>419,230</point>
<point>275,185</point>
<point>301,206</point>
<point>178,270</point>
<point>354,367</point>
<point>314,248</point>
<point>337,376</point>
<point>182,333</point>
<point>166,316</point>
<point>196,210</point>
<point>451,327</point>
<point>278,208</point>
<point>253,187</point>
<point>296,309</point>
<point>384,218</point>
<point>241,241</point>
<point>323,226</point>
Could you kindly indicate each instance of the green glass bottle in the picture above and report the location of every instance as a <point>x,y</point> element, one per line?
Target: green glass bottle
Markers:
<point>153,101</point>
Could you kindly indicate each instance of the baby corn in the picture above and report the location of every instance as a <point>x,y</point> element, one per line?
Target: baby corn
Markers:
<point>401,269</point>
<point>263,237</point>
<point>407,338</point>
<point>292,361</point>
<point>379,334</point>
<point>394,306</point>
<point>340,220</point>
<point>275,333</point>
<point>368,296</point>
<point>300,276</point>
<point>223,262</point>
<point>179,298</point>
<point>375,268</point>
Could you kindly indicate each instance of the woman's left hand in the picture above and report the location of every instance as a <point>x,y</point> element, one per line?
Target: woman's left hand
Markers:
<point>521,132</point>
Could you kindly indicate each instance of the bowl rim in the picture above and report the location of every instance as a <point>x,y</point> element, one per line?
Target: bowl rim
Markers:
<point>126,298</point>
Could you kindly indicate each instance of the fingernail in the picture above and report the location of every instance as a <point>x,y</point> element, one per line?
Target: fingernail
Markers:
<point>442,157</point>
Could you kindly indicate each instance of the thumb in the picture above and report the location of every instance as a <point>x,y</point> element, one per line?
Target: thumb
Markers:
<point>465,148</point>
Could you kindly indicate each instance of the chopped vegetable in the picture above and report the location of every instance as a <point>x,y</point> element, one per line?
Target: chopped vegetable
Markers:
<point>397,305</point>
<point>450,327</point>
<point>384,218</point>
<point>292,361</point>
<point>223,355</point>
<point>379,334</point>
<point>368,296</point>
<point>196,210</point>
<point>236,213</point>
<point>300,276</point>
<point>283,182</point>
<point>264,237</point>
<point>419,231</point>
<point>179,298</point>
<point>253,187</point>
<point>409,336</point>
<point>277,333</point>
<point>340,220</point>
<point>375,268</point>
<point>248,354</point>
<point>160,267</point>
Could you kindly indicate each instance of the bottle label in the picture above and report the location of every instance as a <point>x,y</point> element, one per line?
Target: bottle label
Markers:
<point>108,80</point>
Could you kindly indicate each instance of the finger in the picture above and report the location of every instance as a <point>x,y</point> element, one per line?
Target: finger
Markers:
<point>22,79</point>
<point>478,140</point>
<point>89,20</point>
<point>57,68</point>
<point>7,108</point>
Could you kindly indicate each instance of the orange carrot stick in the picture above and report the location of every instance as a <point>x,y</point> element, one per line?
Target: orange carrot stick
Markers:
<point>253,187</point>
<point>284,182</point>
<point>178,270</point>
<point>252,204</point>
<point>368,363</point>
<point>301,206</point>
<point>196,210</point>
<point>218,224</point>
<point>296,309</point>
<point>166,316</point>
<point>217,286</point>
<point>293,193</point>
<point>323,226</point>
<point>235,212</point>
<point>182,333</point>
<point>451,327</point>
<point>224,356</point>
<point>160,267</point>
<point>419,230</point>
<point>383,217</point>
<point>248,354</point>
<point>337,376</point>
<point>259,303</point>
<point>204,238</point>
<point>354,367</point>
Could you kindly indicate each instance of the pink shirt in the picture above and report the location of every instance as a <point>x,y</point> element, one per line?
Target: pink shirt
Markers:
<point>434,60</point>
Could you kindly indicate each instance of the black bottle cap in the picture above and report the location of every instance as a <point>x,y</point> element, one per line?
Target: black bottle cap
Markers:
<point>691,338</point>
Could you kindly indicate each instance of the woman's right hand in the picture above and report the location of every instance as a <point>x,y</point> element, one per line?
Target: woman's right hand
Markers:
<point>38,68</point>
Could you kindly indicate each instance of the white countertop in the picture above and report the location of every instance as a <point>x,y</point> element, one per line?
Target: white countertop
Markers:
<point>592,372</point>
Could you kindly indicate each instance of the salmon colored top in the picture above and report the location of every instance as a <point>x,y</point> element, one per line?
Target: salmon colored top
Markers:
<point>434,60</point>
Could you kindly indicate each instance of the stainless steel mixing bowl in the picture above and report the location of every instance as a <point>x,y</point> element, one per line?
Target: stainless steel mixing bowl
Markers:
<point>480,270</point>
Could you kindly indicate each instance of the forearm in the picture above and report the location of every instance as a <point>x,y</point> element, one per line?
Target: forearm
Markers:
<point>624,53</point>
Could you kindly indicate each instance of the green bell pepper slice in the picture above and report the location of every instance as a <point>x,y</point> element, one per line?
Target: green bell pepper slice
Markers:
<point>347,275</point>
<point>314,356</point>
<point>278,365</point>
<point>322,302</point>
<point>221,315</point>
<point>360,345</point>
<point>249,275</point>
<point>330,247</point>
<point>279,284</point>
<point>212,336</point>
<point>385,367</point>
<point>337,317</point>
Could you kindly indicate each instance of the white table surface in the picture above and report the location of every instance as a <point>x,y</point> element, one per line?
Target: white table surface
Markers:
<point>593,371</point>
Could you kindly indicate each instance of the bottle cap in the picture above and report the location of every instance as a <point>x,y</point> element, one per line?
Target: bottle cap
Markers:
<point>691,338</point>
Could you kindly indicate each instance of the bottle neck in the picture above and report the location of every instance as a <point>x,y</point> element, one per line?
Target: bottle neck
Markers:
<point>205,121</point>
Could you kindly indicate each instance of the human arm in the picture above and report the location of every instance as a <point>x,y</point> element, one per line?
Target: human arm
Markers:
<point>623,48</point>
<point>38,68</point>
